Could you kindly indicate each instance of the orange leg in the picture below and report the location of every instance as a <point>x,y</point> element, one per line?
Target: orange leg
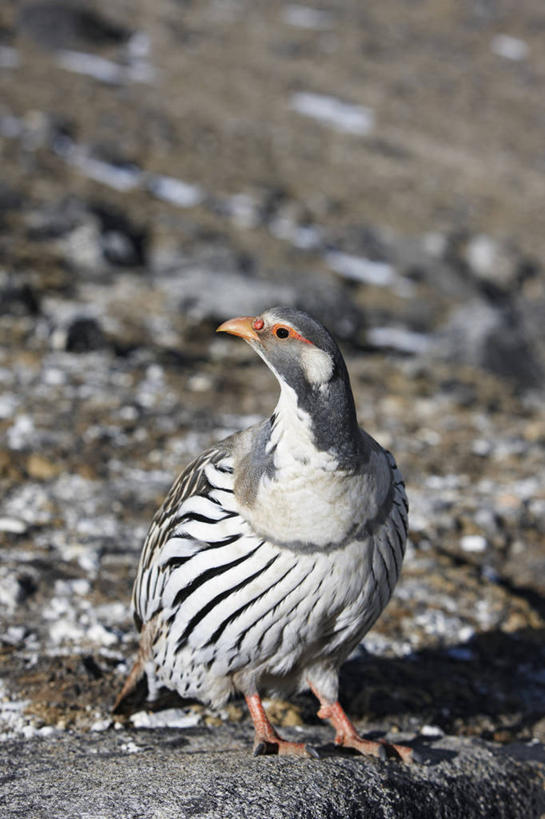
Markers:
<point>348,737</point>
<point>267,740</point>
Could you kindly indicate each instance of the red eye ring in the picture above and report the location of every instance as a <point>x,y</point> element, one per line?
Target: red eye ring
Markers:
<point>258,324</point>
<point>282,332</point>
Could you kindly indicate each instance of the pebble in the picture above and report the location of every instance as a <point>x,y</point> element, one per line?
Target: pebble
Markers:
<point>168,718</point>
<point>100,725</point>
<point>512,48</point>
<point>473,543</point>
<point>15,526</point>
<point>431,731</point>
<point>341,116</point>
<point>307,17</point>
<point>380,274</point>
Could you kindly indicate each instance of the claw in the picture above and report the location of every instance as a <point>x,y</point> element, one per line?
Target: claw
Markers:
<point>267,740</point>
<point>260,749</point>
<point>282,747</point>
<point>313,752</point>
<point>402,752</point>
<point>366,747</point>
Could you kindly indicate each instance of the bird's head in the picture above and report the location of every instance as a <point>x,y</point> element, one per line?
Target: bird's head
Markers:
<point>297,348</point>
<point>305,358</point>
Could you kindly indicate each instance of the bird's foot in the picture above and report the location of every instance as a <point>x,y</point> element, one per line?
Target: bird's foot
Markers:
<point>380,749</point>
<point>364,746</point>
<point>276,745</point>
<point>403,752</point>
<point>267,740</point>
<point>348,737</point>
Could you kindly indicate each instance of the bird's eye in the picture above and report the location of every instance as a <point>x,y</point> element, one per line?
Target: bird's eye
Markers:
<point>282,332</point>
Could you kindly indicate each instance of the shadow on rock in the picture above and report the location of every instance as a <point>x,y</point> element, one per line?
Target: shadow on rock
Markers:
<point>492,686</point>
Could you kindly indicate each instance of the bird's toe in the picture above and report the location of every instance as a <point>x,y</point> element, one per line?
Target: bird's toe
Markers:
<point>281,747</point>
<point>312,751</point>
<point>403,752</point>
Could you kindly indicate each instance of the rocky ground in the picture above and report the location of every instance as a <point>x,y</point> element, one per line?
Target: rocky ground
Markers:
<point>168,165</point>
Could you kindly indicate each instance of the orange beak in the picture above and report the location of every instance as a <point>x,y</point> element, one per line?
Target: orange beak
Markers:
<point>240,327</point>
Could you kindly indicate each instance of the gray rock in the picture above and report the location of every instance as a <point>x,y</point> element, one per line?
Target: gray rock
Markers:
<point>204,772</point>
<point>495,339</point>
<point>56,24</point>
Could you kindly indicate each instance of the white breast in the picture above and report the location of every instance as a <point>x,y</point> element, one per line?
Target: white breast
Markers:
<point>308,498</point>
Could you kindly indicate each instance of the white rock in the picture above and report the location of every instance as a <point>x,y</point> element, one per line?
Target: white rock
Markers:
<point>473,543</point>
<point>175,191</point>
<point>169,718</point>
<point>481,254</point>
<point>361,269</point>
<point>69,588</point>
<point>10,590</point>
<point>482,447</point>
<point>19,434</point>
<point>200,382</point>
<point>305,237</point>
<point>83,249</point>
<point>99,634</point>
<point>106,71</point>
<point>13,525</point>
<point>306,17</point>
<point>131,747</point>
<point>242,208</point>
<point>399,338</point>
<point>101,725</point>
<point>14,634</point>
<point>342,116</point>
<point>512,48</point>
<point>431,731</point>
<point>8,405</point>
<point>119,177</point>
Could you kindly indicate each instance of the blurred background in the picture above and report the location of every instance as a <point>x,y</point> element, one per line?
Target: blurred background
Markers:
<point>170,164</point>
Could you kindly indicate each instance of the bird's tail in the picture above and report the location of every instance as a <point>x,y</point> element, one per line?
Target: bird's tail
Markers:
<point>138,671</point>
<point>135,675</point>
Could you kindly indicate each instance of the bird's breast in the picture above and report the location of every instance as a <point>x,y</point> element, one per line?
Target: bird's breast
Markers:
<point>304,507</point>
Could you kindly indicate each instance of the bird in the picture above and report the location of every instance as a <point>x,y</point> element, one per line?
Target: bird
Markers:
<point>275,550</point>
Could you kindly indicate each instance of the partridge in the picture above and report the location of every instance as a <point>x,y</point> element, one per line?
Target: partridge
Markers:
<point>276,550</point>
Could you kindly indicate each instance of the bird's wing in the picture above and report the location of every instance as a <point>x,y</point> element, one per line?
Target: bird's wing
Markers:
<point>192,481</point>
